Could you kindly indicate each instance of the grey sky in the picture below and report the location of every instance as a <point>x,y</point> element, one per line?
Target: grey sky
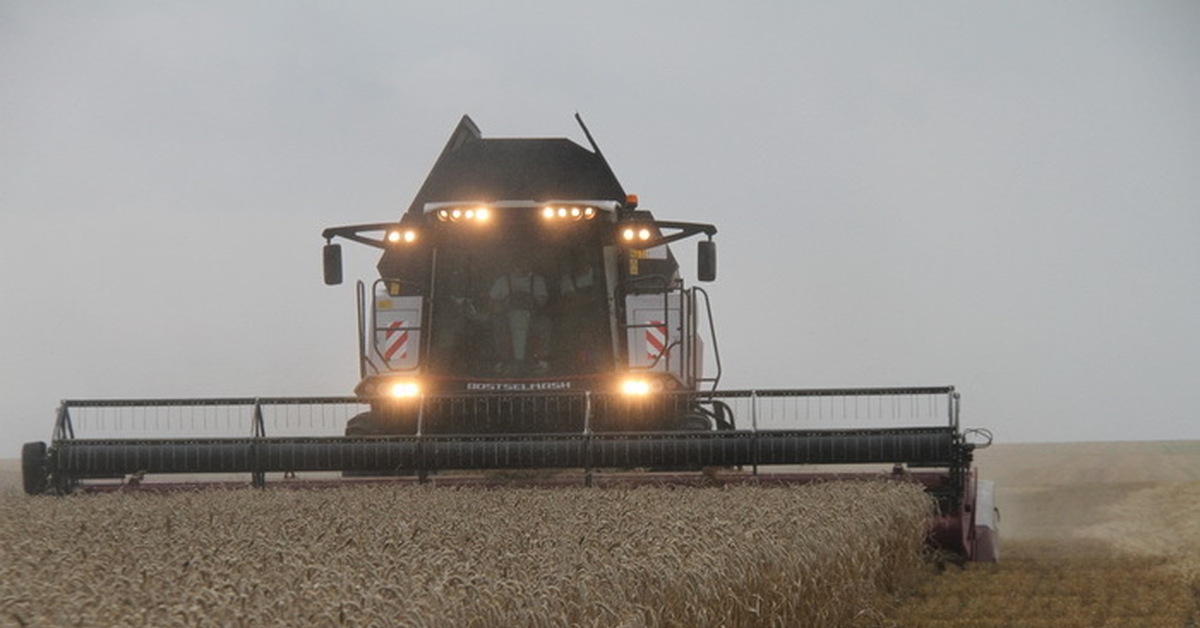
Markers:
<point>1000,196</point>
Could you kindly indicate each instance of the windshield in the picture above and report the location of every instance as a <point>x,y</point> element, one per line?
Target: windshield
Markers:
<point>522,304</point>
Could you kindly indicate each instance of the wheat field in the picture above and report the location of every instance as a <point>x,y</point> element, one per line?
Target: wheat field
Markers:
<point>831,554</point>
<point>1095,535</point>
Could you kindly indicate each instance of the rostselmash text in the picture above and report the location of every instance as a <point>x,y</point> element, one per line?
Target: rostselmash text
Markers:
<point>516,386</point>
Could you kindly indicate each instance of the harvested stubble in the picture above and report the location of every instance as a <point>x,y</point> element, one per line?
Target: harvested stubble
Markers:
<point>1042,584</point>
<point>1138,566</point>
<point>821,555</point>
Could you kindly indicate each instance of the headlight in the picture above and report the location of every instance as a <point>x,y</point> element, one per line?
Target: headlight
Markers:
<point>636,387</point>
<point>404,390</point>
<point>476,214</point>
<point>568,212</point>
<point>639,234</point>
<point>395,236</point>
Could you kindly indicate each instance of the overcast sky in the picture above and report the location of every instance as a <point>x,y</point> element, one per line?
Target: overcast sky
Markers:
<point>1000,196</point>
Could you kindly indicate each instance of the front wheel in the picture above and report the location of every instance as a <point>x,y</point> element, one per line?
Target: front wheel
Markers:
<point>362,424</point>
<point>694,422</point>
<point>373,424</point>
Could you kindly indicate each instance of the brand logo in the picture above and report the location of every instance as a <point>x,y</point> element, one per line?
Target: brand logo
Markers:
<point>517,386</point>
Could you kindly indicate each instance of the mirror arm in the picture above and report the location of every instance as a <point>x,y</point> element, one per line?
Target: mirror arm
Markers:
<point>353,233</point>
<point>686,230</point>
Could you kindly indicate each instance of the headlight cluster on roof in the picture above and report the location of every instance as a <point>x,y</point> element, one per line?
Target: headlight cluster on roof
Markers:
<point>565,212</point>
<point>468,214</point>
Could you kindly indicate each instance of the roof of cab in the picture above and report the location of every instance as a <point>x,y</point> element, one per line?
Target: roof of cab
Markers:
<point>474,169</point>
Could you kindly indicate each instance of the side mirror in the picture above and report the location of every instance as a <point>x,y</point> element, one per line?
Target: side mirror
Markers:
<point>333,264</point>
<point>706,260</point>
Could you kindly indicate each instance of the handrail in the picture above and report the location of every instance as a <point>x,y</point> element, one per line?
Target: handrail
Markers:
<point>757,409</point>
<point>361,300</point>
<point>334,399</point>
<point>712,333</point>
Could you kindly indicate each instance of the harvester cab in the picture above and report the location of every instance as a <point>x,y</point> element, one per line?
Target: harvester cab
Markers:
<point>522,266</point>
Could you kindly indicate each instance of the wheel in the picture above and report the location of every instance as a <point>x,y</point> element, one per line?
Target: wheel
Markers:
<point>33,468</point>
<point>694,422</point>
<point>723,415</point>
<point>362,424</point>
<point>372,423</point>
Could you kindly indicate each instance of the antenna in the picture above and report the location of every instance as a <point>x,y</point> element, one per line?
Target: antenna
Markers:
<point>595,148</point>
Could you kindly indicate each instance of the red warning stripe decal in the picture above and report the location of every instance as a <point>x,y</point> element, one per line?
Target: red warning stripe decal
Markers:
<point>656,339</point>
<point>397,345</point>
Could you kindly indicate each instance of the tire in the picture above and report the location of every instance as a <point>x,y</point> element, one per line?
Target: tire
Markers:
<point>34,473</point>
<point>362,424</point>
<point>371,424</point>
<point>695,422</point>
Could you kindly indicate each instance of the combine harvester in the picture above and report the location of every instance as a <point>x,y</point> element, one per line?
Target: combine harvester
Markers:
<point>530,325</point>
